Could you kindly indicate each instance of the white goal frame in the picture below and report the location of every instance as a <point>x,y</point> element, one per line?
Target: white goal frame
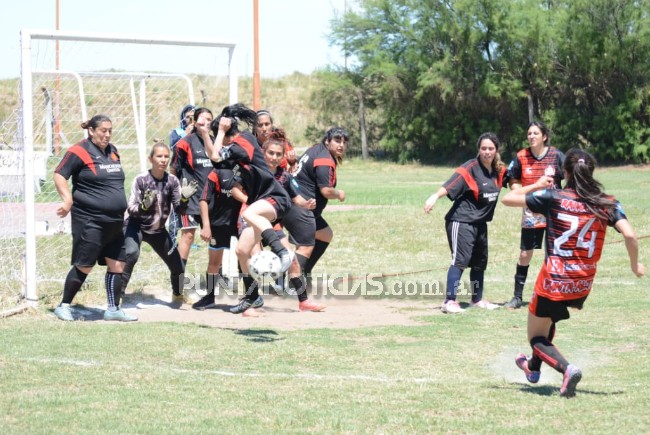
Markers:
<point>26,123</point>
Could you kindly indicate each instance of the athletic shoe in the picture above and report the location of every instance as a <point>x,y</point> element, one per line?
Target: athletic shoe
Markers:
<point>286,260</point>
<point>258,303</point>
<point>64,312</point>
<point>310,306</point>
<point>514,303</point>
<point>242,306</point>
<point>119,315</point>
<point>451,307</point>
<point>178,298</point>
<point>206,301</point>
<point>532,376</point>
<point>484,304</point>
<point>572,376</point>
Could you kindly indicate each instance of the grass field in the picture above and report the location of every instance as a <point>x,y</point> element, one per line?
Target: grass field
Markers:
<point>448,374</point>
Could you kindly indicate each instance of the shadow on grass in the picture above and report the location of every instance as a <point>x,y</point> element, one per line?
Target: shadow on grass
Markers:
<point>550,390</point>
<point>259,335</point>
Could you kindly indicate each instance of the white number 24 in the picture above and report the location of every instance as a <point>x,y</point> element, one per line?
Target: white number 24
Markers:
<point>581,243</point>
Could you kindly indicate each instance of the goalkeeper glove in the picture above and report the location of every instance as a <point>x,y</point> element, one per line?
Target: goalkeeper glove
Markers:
<point>148,198</point>
<point>188,189</point>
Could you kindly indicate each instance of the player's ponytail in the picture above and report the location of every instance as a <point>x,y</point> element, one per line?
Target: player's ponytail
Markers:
<point>95,121</point>
<point>579,166</point>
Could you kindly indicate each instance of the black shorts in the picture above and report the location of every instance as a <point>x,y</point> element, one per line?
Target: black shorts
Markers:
<point>188,221</point>
<point>532,238</point>
<point>468,244</point>
<point>556,310</point>
<point>301,225</point>
<point>221,235</point>
<point>93,241</point>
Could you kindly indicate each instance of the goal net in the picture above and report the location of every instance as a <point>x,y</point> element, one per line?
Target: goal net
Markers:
<point>141,83</point>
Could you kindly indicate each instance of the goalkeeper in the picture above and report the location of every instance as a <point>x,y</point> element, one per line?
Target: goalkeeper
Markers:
<point>153,195</point>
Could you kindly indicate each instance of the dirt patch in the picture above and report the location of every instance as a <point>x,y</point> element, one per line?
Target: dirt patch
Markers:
<point>278,312</point>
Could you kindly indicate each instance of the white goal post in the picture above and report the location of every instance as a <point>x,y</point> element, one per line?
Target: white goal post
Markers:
<point>172,90</point>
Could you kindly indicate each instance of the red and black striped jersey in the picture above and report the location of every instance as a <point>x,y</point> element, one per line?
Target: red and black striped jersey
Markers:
<point>191,162</point>
<point>527,168</point>
<point>217,192</point>
<point>316,169</point>
<point>574,243</point>
<point>97,181</point>
<point>474,191</point>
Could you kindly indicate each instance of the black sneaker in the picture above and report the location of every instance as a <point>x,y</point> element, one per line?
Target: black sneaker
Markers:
<point>514,303</point>
<point>257,303</point>
<point>206,301</point>
<point>243,305</point>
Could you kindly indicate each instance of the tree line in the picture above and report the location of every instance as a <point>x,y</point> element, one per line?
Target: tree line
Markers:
<point>423,79</point>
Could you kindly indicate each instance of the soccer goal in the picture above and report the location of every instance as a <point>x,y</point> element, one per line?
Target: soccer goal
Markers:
<point>141,83</point>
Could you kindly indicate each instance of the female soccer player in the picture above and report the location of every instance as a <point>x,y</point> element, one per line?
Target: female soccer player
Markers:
<point>267,200</point>
<point>191,162</point>
<point>531,163</point>
<point>474,187</point>
<point>154,194</point>
<point>577,218</point>
<point>98,203</point>
<point>263,130</point>
<point>316,175</point>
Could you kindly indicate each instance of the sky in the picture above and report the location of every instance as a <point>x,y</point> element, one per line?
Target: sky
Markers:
<point>292,33</point>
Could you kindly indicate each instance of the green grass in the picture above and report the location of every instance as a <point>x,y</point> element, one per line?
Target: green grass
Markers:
<point>449,374</point>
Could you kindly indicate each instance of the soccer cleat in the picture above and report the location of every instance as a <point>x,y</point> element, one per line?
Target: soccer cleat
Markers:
<point>242,306</point>
<point>286,260</point>
<point>514,303</point>
<point>206,301</point>
<point>310,306</point>
<point>119,315</point>
<point>532,376</point>
<point>452,307</point>
<point>64,312</point>
<point>258,303</point>
<point>572,376</point>
<point>484,304</point>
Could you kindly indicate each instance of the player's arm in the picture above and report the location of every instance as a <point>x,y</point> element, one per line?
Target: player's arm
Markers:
<point>61,184</point>
<point>632,245</point>
<point>206,231</point>
<point>224,126</point>
<point>431,201</point>
<point>514,184</point>
<point>324,177</point>
<point>517,197</point>
<point>237,192</point>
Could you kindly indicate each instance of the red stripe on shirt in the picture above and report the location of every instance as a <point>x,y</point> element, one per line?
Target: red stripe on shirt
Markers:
<point>85,157</point>
<point>471,182</point>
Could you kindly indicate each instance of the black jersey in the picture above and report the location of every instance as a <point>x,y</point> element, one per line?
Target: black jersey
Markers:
<point>97,181</point>
<point>217,192</point>
<point>248,164</point>
<point>168,196</point>
<point>474,191</point>
<point>316,169</point>
<point>192,163</point>
<point>287,181</point>
<point>574,242</point>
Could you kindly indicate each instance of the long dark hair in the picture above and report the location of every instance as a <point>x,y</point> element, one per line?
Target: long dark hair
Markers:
<point>579,166</point>
<point>336,133</point>
<point>236,112</point>
<point>543,128</point>
<point>497,163</point>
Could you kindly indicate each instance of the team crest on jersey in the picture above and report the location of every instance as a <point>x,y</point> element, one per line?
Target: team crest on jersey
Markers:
<point>114,157</point>
<point>555,265</point>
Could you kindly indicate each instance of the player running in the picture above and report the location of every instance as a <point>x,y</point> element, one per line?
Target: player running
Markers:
<point>526,168</point>
<point>474,187</point>
<point>577,218</point>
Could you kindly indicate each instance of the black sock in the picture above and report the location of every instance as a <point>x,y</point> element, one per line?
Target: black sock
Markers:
<point>251,288</point>
<point>520,281</point>
<point>177,281</point>
<point>476,277</point>
<point>319,249</point>
<point>73,283</point>
<point>270,238</point>
<point>535,362</point>
<point>297,284</point>
<point>211,281</point>
<point>113,283</point>
<point>547,352</point>
<point>453,280</point>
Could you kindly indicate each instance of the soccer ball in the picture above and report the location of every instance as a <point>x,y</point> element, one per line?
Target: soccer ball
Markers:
<point>265,265</point>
